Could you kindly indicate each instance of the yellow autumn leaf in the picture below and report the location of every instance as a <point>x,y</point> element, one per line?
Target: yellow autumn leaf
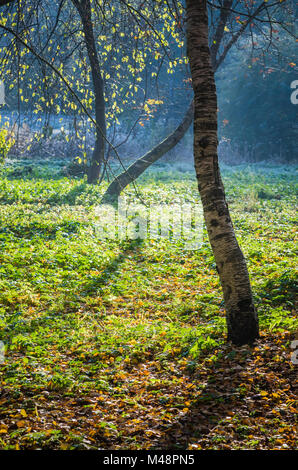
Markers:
<point>21,424</point>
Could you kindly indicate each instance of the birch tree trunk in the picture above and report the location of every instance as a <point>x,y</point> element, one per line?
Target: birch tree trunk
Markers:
<point>242,321</point>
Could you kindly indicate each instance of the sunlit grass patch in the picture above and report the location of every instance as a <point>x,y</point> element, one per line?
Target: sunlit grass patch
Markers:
<point>127,320</point>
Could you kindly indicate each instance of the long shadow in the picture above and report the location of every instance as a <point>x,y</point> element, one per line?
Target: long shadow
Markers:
<point>88,288</point>
<point>128,247</point>
<point>218,398</point>
<point>70,197</point>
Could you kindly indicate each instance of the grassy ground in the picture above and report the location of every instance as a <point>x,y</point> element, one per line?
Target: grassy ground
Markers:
<point>121,345</point>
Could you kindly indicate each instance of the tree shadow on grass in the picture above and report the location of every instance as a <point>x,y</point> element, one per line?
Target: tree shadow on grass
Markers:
<point>129,246</point>
<point>69,198</point>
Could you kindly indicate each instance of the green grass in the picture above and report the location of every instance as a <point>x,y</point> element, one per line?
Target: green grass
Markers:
<point>75,311</point>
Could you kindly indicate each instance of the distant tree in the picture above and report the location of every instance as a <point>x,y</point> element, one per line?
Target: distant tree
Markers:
<point>84,9</point>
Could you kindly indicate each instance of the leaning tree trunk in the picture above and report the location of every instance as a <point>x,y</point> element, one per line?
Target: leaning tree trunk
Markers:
<point>84,10</point>
<point>140,165</point>
<point>242,321</point>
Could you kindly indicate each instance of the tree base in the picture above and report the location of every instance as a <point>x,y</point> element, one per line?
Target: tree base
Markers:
<point>243,327</point>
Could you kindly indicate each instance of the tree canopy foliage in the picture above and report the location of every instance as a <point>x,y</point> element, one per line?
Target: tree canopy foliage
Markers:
<point>140,46</point>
